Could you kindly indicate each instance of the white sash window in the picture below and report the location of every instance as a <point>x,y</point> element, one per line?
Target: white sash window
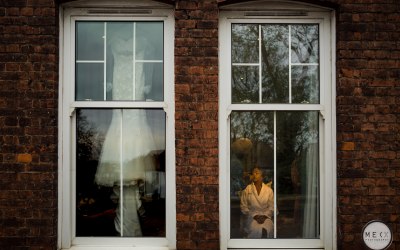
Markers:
<point>277,115</point>
<point>116,125</point>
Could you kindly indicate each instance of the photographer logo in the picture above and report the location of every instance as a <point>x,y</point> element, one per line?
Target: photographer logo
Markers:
<point>377,235</point>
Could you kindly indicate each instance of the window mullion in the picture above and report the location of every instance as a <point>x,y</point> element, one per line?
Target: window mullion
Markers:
<point>105,63</point>
<point>275,180</point>
<point>290,63</point>
<point>121,104</point>
<point>121,158</point>
<point>134,62</point>
<point>260,63</point>
<point>276,107</point>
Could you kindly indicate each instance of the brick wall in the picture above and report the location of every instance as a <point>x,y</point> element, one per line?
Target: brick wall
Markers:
<point>28,124</point>
<point>368,121</point>
<point>196,95</point>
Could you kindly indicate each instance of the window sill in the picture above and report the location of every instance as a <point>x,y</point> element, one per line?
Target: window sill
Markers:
<point>115,248</point>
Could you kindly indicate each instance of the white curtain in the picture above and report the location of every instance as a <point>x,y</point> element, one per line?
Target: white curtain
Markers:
<point>311,194</point>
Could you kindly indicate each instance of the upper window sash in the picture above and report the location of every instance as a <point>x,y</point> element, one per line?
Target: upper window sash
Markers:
<point>73,16</point>
<point>320,19</point>
<point>275,63</point>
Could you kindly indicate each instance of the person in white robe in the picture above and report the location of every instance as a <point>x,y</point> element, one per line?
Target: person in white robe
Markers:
<point>257,206</point>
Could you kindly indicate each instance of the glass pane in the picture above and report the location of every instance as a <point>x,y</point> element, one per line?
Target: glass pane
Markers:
<point>251,147</point>
<point>89,81</point>
<point>148,81</point>
<point>133,61</point>
<point>149,41</point>
<point>120,44</point>
<point>154,75</point>
<point>297,175</point>
<point>305,43</point>
<point>120,173</point>
<point>89,41</point>
<point>305,84</point>
<point>127,39</point>
<point>275,63</point>
<point>245,43</point>
<point>245,84</point>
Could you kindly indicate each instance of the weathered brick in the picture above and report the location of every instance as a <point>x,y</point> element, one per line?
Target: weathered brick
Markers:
<point>367,108</point>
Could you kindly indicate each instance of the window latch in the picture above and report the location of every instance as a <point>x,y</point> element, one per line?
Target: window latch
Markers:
<point>322,114</point>
<point>165,108</point>
<point>228,113</point>
<point>71,111</point>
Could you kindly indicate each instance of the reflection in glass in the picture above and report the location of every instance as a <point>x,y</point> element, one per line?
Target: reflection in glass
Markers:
<point>297,171</point>
<point>120,172</point>
<point>245,43</point>
<point>89,41</point>
<point>284,48</point>
<point>245,84</point>
<point>149,37</point>
<point>275,63</point>
<point>305,84</point>
<point>305,43</point>
<point>128,44</point>
<point>251,146</point>
<point>89,79</point>
<point>297,174</point>
<point>133,60</point>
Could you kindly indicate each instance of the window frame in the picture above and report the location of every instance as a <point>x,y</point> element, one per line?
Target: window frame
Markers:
<point>291,14</point>
<point>67,120</point>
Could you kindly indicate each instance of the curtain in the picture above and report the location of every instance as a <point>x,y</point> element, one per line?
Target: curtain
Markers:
<point>311,192</point>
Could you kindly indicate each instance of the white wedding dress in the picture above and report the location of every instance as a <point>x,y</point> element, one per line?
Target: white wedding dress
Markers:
<point>128,148</point>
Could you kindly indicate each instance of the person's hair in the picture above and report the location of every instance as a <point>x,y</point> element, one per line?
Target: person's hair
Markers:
<point>259,168</point>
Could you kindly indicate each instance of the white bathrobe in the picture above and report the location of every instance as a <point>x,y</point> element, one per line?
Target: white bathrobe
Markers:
<point>252,204</point>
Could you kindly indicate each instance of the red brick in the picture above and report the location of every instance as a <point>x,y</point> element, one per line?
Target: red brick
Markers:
<point>367,129</point>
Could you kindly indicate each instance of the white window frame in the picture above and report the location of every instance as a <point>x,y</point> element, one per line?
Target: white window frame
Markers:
<point>101,11</point>
<point>281,12</point>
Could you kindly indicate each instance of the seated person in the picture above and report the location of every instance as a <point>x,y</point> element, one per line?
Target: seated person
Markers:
<point>257,205</point>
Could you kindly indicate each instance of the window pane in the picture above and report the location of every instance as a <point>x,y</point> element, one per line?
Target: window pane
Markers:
<point>245,43</point>
<point>149,37</point>
<point>155,73</point>
<point>133,61</point>
<point>305,84</point>
<point>251,146</point>
<point>120,42</point>
<point>277,84</point>
<point>120,173</point>
<point>148,81</point>
<point>305,43</point>
<point>90,41</point>
<point>297,174</point>
<point>245,84</point>
<point>89,81</point>
<point>275,63</point>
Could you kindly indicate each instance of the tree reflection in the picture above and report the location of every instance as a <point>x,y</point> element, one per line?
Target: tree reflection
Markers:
<point>275,59</point>
<point>281,46</point>
<point>274,48</point>
<point>304,44</point>
<point>305,49</point>
<point>88,140</point>
<point>94,209</point>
